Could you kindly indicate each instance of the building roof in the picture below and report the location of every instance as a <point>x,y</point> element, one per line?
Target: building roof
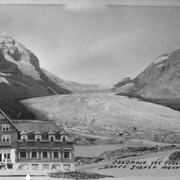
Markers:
<point>23,132</point>
<point>39,127</point>
<point>51,132</point>
<point>35,126</point>
<point>6,117</point>
<point>63,132</point>
<point>38,132</point>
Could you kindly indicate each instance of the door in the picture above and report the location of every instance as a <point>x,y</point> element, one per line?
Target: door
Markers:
<point>0,157</point>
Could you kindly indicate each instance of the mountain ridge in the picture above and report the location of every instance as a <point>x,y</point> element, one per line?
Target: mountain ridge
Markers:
<point>158,83</point>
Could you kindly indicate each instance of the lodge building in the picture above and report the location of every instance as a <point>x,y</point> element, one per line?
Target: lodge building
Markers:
<point>34,144</point>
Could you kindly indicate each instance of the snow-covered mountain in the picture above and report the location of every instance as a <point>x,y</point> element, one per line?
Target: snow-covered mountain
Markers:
<point>20,71</point>
<point>159,82</point>
<point>21,76</point>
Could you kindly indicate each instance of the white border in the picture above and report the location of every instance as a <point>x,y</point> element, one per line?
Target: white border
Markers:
<point>103,2</point>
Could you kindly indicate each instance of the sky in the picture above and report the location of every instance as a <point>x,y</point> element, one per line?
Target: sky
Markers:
<point>96,42</point>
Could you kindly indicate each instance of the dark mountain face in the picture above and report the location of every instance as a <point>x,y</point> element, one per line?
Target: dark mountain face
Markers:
<point>21,76</point>
<point>159,82</point>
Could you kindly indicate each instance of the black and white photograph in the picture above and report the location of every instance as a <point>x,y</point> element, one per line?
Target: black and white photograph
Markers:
<point>89,89</point>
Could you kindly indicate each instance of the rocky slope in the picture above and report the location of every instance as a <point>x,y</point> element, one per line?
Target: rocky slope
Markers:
<point>159,82</point>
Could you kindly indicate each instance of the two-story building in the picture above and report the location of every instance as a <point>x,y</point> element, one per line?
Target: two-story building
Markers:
<point>34,144</point>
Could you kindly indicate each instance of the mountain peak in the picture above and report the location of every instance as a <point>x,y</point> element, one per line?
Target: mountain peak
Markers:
<point>4,34</point>
<point>6,38</point>
<point>20,56</point>
<point>6,41</point>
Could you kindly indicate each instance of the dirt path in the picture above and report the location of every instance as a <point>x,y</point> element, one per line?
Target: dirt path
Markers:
<point>151,143</point>
<point>133,173</point>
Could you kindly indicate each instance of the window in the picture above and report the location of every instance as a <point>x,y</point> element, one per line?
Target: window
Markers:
<point>5,127</point>
<point>24,138</point>
<point>55,153</point>
<point>51,138</point>
<point>35,166</point>
<point>38,137</point>
<point>7,156</point>
<point>23,154</point>
<point>66,167</point>
<point>6,138</point>
<point>67,153</point>
<point>45,166</point>
<point>23,166</point>
<point>34,154</point>
<point>63,138</point>
<point>44,154</point>
<point>55,166</point>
